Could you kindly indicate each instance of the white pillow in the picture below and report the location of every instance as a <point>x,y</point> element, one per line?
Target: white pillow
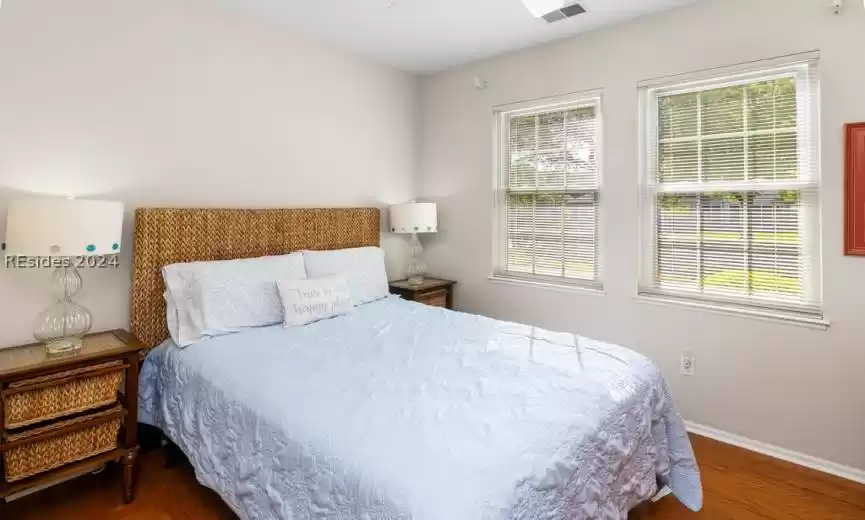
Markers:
<point>363,266</point>
<point>171,319</point>
<point>306,301</point>
<point>186,326</point>
<point>217,298</point>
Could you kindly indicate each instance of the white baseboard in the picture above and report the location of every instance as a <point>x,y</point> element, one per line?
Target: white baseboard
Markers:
<point>832,468</point>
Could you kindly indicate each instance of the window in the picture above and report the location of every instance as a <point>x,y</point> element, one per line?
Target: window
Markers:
<point>731,185</point>
<point>548,192</point>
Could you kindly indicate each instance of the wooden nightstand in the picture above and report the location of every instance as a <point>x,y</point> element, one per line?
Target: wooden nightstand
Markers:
<point>434,291</point>
<point>65,415</point>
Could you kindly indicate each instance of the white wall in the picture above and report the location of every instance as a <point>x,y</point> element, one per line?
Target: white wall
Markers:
<point>794,387</point>
<point>176,103</point>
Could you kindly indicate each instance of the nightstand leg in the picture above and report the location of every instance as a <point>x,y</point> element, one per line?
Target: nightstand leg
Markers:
<point>129,475</point>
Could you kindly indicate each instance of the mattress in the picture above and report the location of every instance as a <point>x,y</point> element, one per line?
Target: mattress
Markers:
<point>403,411</point>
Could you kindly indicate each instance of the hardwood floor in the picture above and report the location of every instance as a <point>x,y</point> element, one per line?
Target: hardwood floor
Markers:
<point>738,485</point>
<point>742,485</point>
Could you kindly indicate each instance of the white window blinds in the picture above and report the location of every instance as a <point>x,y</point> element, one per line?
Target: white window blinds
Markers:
<point>731,191</point>
<point>548,193</point>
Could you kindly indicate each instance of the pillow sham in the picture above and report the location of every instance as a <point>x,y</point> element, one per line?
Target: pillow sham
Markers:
<point>217,298</point>
<point>362,266</point>
<point>171,319</point>
<point>182,308</point>
<point>310,300</point>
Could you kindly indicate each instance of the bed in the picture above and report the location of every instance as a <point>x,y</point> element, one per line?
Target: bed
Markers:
<point>398,410</point>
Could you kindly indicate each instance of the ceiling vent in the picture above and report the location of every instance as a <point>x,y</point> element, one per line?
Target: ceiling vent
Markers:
<point>564,12</point>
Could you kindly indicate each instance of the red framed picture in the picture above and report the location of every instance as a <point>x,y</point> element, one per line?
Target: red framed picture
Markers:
<point>854,191</point>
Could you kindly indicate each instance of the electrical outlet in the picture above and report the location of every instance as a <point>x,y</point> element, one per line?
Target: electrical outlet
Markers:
<point>688,363</point>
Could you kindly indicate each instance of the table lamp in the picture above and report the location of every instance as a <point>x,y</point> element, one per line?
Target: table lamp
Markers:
<point>414,218</point>
<point>62,233</point>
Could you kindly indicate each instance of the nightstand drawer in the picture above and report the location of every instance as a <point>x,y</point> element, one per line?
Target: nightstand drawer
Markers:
<point>435,298</point>
<point>48,447</point>
<point>61,394</point>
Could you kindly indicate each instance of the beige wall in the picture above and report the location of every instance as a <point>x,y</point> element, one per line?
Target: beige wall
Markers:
<point>797,388</point>
<point>166,102</point>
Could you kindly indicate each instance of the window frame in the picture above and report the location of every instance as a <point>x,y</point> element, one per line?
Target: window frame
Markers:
<point>804,69</point>
<point>501,170</point>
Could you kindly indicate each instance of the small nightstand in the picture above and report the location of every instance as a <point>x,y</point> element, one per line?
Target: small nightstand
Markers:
<point>64,415</point>
<point>434,292</point>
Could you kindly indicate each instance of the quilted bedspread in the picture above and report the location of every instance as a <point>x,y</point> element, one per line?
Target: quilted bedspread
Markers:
<point>403,411</point>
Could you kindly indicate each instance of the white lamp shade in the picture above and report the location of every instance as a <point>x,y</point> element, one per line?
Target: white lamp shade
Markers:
<point>414,217</point>
<point>42,226</point>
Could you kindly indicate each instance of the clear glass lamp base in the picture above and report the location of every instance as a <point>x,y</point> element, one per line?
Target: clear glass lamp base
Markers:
<point>63,346</point>
<point>416,268</point>
<point>62,326</point>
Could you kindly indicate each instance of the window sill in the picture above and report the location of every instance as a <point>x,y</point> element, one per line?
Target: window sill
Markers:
<point>590,290</point>
<point>742,312</point>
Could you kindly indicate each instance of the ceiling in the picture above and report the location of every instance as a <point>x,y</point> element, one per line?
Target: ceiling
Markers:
<point>425,36</point>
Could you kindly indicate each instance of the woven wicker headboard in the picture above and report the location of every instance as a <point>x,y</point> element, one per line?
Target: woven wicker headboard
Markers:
<point>164,236</point>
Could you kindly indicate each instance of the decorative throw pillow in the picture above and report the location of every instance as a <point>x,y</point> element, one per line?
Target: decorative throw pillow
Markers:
<point>363,266</point>
<point>306,301</point>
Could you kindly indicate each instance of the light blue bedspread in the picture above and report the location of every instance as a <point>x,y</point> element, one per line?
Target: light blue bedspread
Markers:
<point>403,411</point>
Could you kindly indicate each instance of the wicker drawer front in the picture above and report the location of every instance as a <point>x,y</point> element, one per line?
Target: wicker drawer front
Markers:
<point>435,299</point>
<point>61,443</point>
<point>61,394</point>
